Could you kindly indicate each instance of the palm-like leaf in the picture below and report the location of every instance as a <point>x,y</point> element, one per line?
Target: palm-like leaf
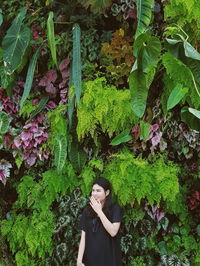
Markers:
<point>144,11</point>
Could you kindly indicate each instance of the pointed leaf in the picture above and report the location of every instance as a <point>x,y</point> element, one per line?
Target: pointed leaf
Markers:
<point>15,43</point>
<point>145,129</point>
<point>176,96</point>
<point>190,51</point>
<point>60,152</point>
<point>147,50</point>
<point>144,12</point>
<point>51,37</point>
<point>29,78</point>
<point>76,62</point>
<point>121,138</point>
<point>194,112</point>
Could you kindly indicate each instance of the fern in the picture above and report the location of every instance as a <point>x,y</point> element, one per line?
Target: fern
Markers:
<point>180,73</point>
<point>105,107</point>
<point>136,179</point>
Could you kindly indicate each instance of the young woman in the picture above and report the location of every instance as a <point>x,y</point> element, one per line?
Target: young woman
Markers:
<point>100,223</point>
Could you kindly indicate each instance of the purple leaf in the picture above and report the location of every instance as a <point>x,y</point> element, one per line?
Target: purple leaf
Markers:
<point>64,64</point>
<point>50,88</point>
<point>156,139</point>
<point>51,75</point>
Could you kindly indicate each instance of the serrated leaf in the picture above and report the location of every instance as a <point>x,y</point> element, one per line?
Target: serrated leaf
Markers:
<point>144,12</point>
<point>29,78</point>
<point>15,42</point>
<point>145,129</point>
<point>51,37</point>
<point>76,61</point>
<point>176,96</point>
<point>121,138</point>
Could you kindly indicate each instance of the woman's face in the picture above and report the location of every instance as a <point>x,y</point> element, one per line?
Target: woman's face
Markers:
<point>99,193</point>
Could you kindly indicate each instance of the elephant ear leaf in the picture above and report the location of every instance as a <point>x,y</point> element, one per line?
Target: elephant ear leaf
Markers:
<point>176,96</point>
<point>60,152</point>
<point>4,122</point>
<point>144,11</point>
<point>15,43</point>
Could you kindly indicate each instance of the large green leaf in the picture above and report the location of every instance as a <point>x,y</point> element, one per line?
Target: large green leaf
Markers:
<point>121,138</point>
<point>77,157</point>
<point>176,96</point>
<point>60,152</point>
<point>76,62</point>
<point>139,92</point>
<point>4,122</point>
<point>147,50</point>
<point>144,12</point>
<point>29,77</point>
<point>190,51</point>
<point>51,37</point>
<point>194,112</point>
<point>190,119</point>
<point>15,42</point>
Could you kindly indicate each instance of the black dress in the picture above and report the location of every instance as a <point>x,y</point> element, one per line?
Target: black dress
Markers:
<point>100,248</point>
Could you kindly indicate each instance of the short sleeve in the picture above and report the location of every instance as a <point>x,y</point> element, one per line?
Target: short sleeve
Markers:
<point>82,223</point>
<point>117,216</point>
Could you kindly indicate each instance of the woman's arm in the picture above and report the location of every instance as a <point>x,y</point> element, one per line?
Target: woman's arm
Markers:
<point>81,249</point>
<point>111,228</point>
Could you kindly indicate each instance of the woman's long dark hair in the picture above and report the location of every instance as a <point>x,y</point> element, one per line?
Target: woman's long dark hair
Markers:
<point>107,207</point>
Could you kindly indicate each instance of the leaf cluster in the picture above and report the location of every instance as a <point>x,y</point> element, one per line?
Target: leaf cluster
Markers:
<point>134,179</point>
<point>105,107</point>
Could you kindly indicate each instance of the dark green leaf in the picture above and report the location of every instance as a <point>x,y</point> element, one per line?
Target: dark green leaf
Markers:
<point>29,78</point>
<point>4,122</point>
<point>144,12</point>
<point>176,96</point>
<point>76,62</point>
<point>15,42</point>
<point>121,138</point>
<point>1,17</point>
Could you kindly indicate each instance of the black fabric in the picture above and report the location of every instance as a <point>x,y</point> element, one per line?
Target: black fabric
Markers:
<point>100,248</point>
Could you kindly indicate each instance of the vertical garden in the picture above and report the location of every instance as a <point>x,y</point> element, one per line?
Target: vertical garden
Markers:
<point>92,88</point>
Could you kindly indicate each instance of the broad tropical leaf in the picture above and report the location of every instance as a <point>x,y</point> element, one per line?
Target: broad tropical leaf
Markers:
<point>60,152</point>
<point>29,77</point>
<point>144,12</point>
<point>76,61</point>
<point>97,6</point>
<point>147,50</point>
<point>121,138</point>
<point>139,92</point>
<point>194,112</point>
<point>176,96</point>
<point>15,42</point>
<point>145,129</point>
<point>4,122</point>
<point>51,37</point>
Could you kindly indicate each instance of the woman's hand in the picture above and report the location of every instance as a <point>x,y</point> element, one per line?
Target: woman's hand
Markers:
<point>96,205</point>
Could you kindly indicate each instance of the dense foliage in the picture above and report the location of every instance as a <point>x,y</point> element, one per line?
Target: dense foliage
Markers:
<point>93,88</point>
